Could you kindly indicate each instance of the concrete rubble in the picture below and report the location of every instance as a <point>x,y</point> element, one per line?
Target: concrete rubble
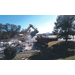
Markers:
<point>22,46</point>
<point>27,44</point>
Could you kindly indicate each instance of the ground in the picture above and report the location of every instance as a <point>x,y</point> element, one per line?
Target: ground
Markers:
<point>25,55</point>
<point>57,50</point>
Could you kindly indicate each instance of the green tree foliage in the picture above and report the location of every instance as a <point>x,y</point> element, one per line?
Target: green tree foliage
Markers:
<point>10,52</point>
<point>64,26</point>
<point>8,31</point>
<point>0,29</point>
<point>23,31</point>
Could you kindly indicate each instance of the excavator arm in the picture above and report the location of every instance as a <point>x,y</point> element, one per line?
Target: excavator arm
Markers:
<point>32,33</point>
<point>27,30</point>
<point>32,26</point>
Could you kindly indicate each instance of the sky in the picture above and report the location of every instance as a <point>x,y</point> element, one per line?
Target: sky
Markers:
<point>44,23</point>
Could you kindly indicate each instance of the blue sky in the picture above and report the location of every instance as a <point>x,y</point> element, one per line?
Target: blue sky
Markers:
<point>44,23</point>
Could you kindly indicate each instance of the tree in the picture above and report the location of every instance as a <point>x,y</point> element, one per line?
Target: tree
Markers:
<point>64,26</point>
<point>18,29</point>
<point>10,52</point>
<point>8,31</point>
<point>0,26</point>
<point>0,29</point>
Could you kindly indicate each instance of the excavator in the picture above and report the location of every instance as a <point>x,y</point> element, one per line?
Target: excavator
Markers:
<point>32,33</point>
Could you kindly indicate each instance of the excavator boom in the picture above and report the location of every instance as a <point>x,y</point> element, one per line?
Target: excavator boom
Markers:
<point>35,30</point>
<point>32,26</point>
<point>27,30</point>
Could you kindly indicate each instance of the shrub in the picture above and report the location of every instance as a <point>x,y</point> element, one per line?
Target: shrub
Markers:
<point>10,52</point>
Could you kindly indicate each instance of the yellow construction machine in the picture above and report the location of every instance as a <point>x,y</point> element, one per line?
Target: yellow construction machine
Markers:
<point>32,33</point>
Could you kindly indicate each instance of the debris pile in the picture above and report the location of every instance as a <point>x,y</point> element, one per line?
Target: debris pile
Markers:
<point>22,46</point>
<point>28,44</point>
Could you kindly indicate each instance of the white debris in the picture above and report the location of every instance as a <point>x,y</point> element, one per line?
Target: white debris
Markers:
<point>1,42</point>
<point>9,43</point>
<point>19,41</point>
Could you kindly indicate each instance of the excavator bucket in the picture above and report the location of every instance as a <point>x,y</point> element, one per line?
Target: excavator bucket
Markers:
<point>34,32</point>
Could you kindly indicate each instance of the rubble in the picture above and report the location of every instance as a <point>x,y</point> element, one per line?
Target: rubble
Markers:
<point>22,46</point>
<point>28,44</point>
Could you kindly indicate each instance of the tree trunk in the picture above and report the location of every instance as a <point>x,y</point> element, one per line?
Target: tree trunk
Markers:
<point>66,39</point>
<point>73,36</point>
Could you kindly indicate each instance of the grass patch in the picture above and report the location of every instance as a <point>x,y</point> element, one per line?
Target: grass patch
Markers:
<point>53,43</point>
<point>25,54</point>
<point>68,58</point>
<point>57,50</point>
